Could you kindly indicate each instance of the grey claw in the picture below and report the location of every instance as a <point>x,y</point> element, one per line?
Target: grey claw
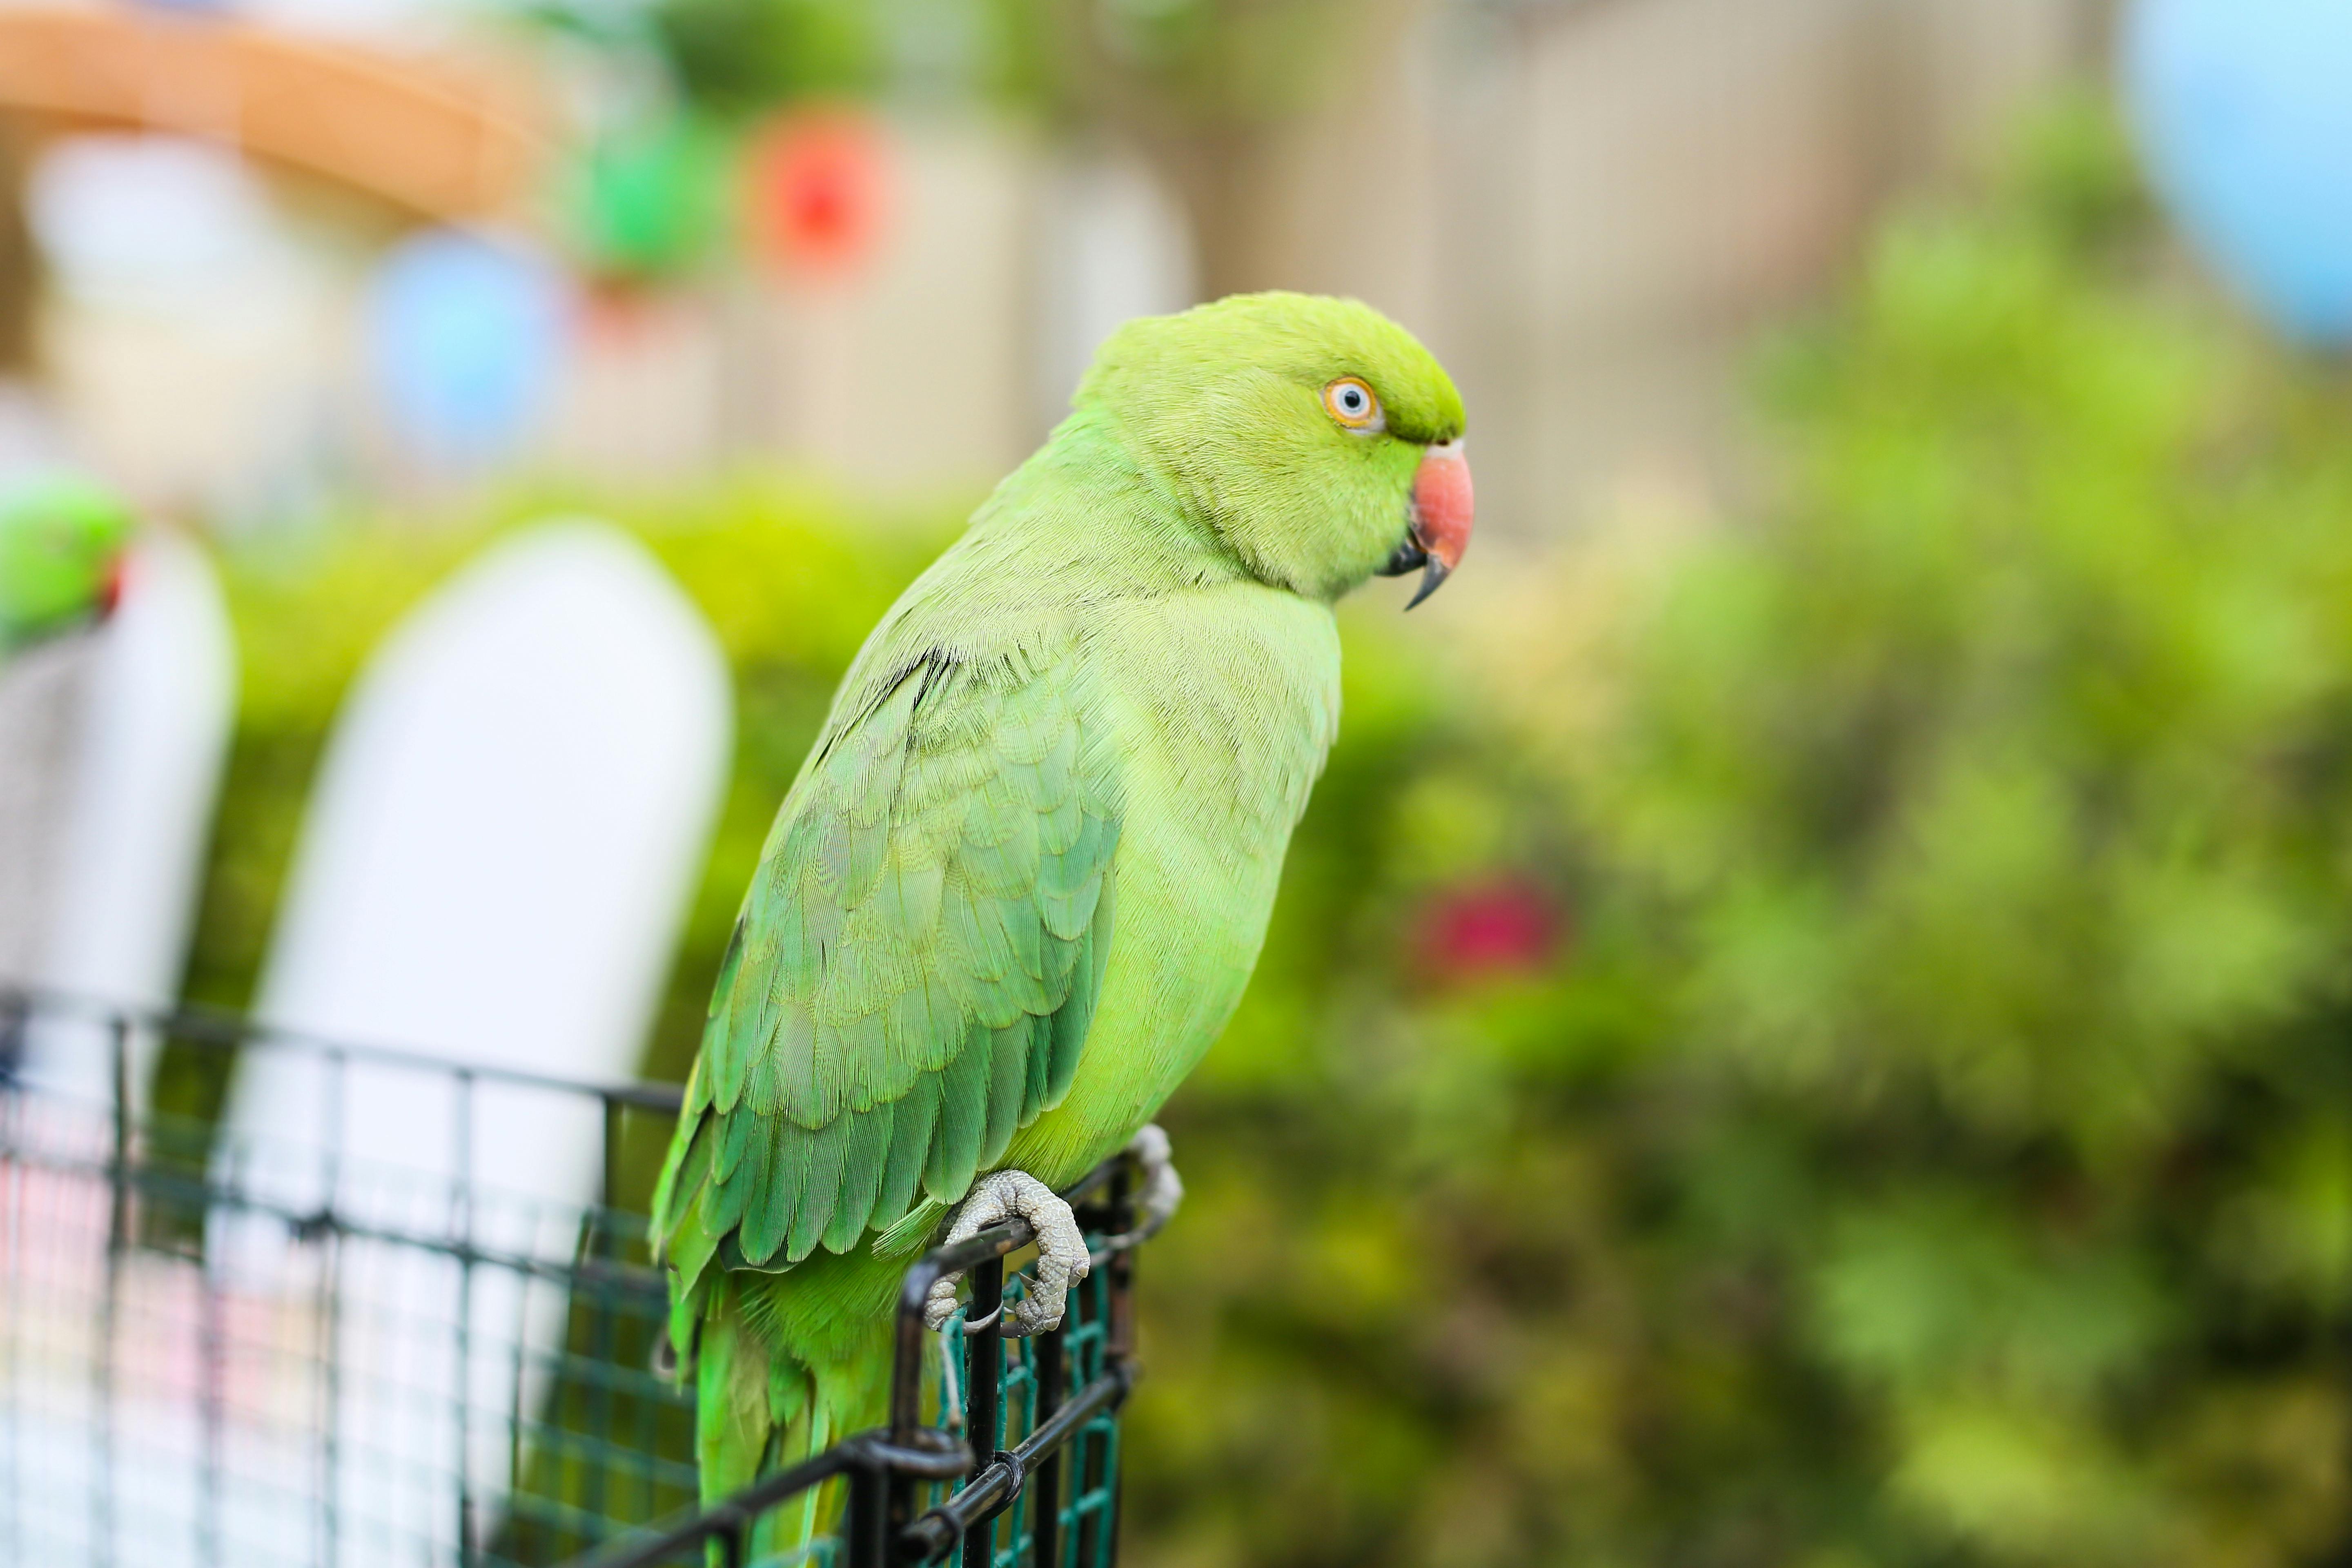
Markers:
<point>1061,1250</point>
<point>1163,1189</point>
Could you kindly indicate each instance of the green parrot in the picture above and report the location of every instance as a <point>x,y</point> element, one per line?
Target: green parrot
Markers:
<point>61,544</point>
<point>1022,876</point>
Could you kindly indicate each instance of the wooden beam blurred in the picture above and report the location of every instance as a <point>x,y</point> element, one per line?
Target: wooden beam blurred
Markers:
<point>429,137</point>
<point>20,259</point>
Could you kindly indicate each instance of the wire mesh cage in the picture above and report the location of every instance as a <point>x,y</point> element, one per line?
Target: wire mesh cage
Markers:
<point>1065,1516</point>
<point>218,1351</point>
<point>999,1453</point>
<point>223,1348</point>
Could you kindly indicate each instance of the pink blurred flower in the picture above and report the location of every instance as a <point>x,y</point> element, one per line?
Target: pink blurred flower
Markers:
<point>1505,926</point>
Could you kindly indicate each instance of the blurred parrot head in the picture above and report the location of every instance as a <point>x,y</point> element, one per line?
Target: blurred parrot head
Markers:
<point>1316,437</point>
<point>61,546</point>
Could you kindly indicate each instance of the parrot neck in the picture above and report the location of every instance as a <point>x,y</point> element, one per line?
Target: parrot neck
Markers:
<point>1089,503</point>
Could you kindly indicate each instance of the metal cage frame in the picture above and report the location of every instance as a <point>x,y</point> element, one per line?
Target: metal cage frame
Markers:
<point>891,1468</point>
<point>597,1463</point>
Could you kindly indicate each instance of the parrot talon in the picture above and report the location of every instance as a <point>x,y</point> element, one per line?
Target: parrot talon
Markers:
<point>1162,1191</point>
<point>1061,1250</point>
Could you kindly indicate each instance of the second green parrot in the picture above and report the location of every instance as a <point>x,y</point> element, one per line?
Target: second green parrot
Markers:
<point>1022,876</point>
<point>61,544</point>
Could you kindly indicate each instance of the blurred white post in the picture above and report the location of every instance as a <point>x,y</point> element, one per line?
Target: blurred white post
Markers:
<point>1112,245</point>
<point>136,754</point>
<point>513,811</point>
<point>111,746</point>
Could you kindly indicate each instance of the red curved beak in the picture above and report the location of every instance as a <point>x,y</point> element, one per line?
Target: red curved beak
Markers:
<point>110,592</point>
<point>1442,507</point>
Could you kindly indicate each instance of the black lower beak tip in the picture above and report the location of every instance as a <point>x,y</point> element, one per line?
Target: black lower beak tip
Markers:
<point>1409,557</point>
<point>1431,581</point>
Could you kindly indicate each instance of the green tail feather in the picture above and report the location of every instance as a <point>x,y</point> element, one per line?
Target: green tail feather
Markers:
<point>778,1379</point>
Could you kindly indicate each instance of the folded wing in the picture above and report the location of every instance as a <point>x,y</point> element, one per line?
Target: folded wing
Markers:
<point>914,971</point>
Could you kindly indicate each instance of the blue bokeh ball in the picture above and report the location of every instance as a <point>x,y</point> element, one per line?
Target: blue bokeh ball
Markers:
<point>2243,110</point>
<point>467,335</point>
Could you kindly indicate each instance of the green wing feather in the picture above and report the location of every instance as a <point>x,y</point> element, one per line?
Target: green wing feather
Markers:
<point>914,971</point>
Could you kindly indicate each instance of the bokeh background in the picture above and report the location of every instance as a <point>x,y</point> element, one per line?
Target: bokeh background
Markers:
<point>1809,1021</point>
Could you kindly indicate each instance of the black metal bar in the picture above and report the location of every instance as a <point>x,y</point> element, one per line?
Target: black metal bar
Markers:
<point>1050,1364</point>
<point>1119,1348</point>
<point>216,1030</point>
<point>608,1200</point>
<point>601,1329</point>
<point>515,1385</point>
<point>1002,1479</point>
<point>462,1217</point>
<point>866,1538</point>
<point>1112,1513</point>
<point>914,1291</point>
<point>983,1379</point>
<point>118,1225</point>
<point>1118,1343</point>
<point>11,1029</point>
<point>899,1485</point>
<point>647,1422</point>
<point>330,1317</point>
<point>212,1357</point>
<point>314,1222</point>
<point>937,1457</point>
<point>118,1234</point>
<point>15,1009</point>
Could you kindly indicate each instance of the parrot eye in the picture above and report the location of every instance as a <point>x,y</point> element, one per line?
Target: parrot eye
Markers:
<point>1351,403</point>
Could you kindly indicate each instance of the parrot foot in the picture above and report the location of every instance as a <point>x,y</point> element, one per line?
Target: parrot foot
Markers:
<point>1061,1250</point>
<point>1162,1191</point>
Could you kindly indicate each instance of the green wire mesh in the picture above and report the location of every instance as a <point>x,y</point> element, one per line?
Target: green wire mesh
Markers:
<point>1087,1475</point>
<point>397,1371</point>
<point>1086,1481</point>
<point>196,1370</point>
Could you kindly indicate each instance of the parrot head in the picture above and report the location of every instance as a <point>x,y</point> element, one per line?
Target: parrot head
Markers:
<point>61,545</point>
<point>1320,440</point>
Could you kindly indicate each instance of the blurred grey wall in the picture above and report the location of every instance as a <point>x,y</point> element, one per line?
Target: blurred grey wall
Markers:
<point>1588,207</point>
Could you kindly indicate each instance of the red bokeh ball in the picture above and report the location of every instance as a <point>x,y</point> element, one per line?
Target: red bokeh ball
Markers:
<point>1503,926</point>
<point>820,186</point>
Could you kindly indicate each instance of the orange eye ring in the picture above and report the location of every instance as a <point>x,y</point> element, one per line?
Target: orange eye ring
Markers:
<point>1351,401</point>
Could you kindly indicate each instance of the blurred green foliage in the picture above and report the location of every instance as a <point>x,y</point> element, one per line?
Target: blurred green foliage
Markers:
<point>1213,61</point>
<point>740,57</point>
<point>1934,1144</point>
<point>649,202</point>
<point>1931,1139</point>
<point>1202,88</point>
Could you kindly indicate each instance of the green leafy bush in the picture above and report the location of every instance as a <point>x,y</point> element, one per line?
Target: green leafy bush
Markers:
<point>1934,1144</point>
